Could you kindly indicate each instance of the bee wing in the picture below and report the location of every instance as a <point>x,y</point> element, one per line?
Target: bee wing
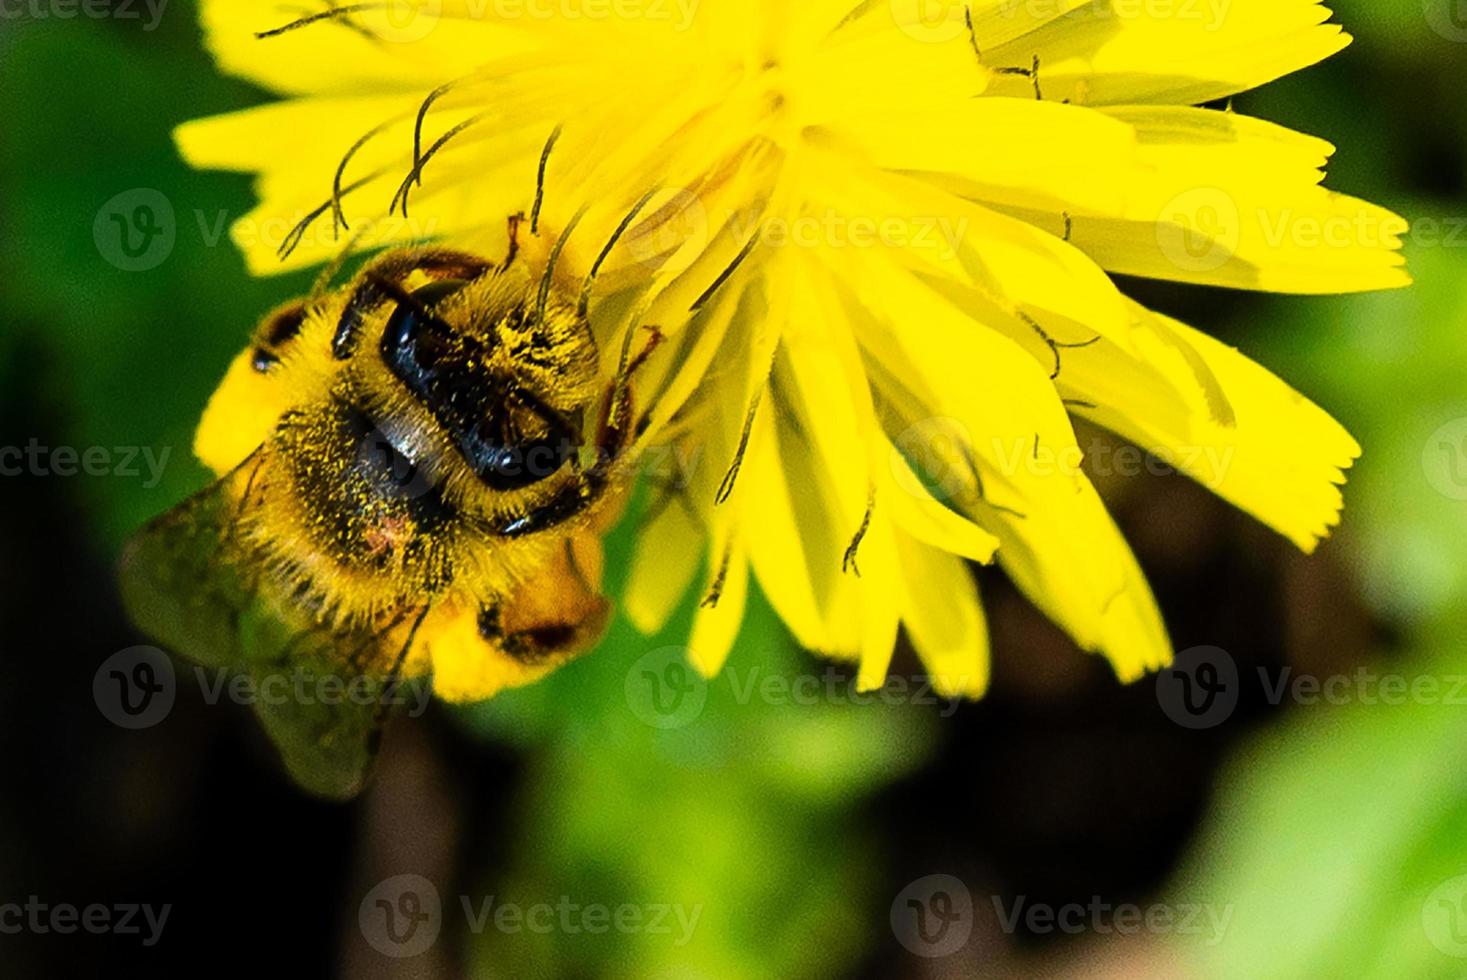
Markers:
<point>181,582</point>
<point>187,583</point>
<point>327,737</point>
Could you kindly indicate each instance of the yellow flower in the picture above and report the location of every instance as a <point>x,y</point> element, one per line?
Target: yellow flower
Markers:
<point>877,243</point>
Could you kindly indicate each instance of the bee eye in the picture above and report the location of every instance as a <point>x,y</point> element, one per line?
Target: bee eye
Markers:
<point>507,468</point>
<point>286,326</point>
<point>278,330</point>
<point>509,438</point>
<point>405,325</point>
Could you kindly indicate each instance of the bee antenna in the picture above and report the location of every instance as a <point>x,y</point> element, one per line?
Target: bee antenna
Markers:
<point>540,180</point>
<point>549,277</point>
<point>621,230</point>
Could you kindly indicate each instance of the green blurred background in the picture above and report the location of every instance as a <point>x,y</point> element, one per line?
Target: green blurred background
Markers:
<point>1330,838</point>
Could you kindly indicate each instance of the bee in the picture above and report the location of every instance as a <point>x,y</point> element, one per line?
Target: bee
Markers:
<point>415,474</point>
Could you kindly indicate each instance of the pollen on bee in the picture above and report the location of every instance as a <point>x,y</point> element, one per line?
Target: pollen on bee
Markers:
<point>388,535</point>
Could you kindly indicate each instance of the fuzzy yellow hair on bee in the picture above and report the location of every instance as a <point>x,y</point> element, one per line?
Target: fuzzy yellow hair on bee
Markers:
<point>414,475</point>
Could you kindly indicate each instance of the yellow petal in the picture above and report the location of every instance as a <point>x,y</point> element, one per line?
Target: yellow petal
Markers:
<point>944,618</point>
<point>1197,51</point>
<point>1271,452</point>
<point>399,45</point>
<point>1056,539</point>
<point>1225,200</point>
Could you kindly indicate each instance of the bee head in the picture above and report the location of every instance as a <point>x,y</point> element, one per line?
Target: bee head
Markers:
<point>508,381</point>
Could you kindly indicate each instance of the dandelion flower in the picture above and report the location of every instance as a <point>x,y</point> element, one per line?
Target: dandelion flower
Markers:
<point>877,237</point>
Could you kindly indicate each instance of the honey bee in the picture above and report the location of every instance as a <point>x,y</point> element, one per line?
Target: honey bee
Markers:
<point>415,474</point>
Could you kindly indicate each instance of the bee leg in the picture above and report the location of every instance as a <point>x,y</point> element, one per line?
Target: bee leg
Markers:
<point>613,430</point>
<point>515,222</point>
<point>557,615</point>
<point>394,678</point>
<point>670,490</point>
